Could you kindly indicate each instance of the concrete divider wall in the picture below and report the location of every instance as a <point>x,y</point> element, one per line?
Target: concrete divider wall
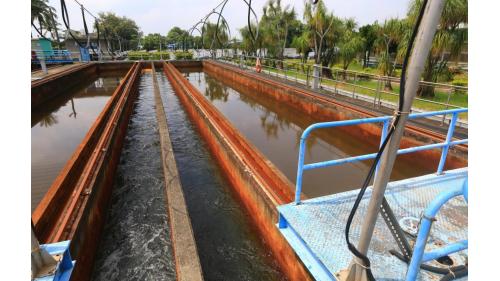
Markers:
<point>187,262</point>
<point>327,109</point>
<point>260,186</point>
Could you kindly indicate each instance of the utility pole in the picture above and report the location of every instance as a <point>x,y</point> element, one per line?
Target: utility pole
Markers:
<point>420,51</point>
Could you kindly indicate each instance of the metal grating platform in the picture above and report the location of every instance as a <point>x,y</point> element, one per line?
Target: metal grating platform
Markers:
<point>315,228</point>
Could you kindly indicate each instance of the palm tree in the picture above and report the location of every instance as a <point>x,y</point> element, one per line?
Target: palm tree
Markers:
<point>448,43</point>
<point>350,45</point>
<point>319,22</point>
<point>213,42</point>
<point>301,44</point>
<point>389,37</point>
<point>274,27</point>
<point>44,15</point>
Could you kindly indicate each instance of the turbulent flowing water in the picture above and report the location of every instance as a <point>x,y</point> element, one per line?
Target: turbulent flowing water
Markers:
<point>59,126</point>
<point>136,243</point>
<point>228,245</point>
<point>275,129</point>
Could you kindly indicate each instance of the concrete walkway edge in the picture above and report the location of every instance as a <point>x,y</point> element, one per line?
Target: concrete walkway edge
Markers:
<point>186,257</point>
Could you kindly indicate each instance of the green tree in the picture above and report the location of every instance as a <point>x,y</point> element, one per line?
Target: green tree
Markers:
<point>45,15</point>
<point>389,35</point>
<point>319,23</point>
<point>247,43</point>
<point>448,42</point>
<point>120,30</point>
<point>350,45</point>
<point>274,27</point>
<point>369,35</point>
<point>213,42</point>
<point>302,45</point>
<point>152,41</point>
<point>180,37</point>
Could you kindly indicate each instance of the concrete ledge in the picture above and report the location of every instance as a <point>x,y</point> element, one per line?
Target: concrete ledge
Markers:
<point>187,262</point>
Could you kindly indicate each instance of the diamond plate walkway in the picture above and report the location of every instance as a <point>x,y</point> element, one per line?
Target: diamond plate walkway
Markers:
<point>315,228</point>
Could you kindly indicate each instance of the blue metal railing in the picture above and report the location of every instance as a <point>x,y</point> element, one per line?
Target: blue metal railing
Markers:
<point>386,122</point>
<point>419,255</point>
<point>53,56</point>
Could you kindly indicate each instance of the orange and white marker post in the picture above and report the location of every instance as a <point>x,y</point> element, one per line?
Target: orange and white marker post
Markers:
<point>258,66</point>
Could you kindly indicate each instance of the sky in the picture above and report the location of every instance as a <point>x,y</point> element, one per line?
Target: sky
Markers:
<point>159,16</point>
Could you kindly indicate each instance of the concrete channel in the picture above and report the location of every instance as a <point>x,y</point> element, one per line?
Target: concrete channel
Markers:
<point>163,203</point>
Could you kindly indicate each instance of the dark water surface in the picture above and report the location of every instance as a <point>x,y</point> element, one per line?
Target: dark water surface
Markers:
<point>228,245</point>
<point>59,126</point>
<point>275,129</point>
<point>136,243</point>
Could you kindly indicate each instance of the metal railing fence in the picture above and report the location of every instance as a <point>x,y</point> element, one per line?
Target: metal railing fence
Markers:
<point>386,122</point>
<point>354,84</point>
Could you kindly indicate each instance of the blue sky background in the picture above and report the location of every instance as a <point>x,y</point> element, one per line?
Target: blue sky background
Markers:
<point>161,15</point>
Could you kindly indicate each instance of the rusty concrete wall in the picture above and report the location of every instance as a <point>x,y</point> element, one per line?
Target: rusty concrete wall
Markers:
<point>327,109</point>
<point>58,84</point>
<point>260,186</point>
<point>50,87</point>
<point>75,205</point>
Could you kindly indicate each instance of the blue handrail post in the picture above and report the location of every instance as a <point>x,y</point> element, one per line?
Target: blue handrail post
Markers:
<point>428,217</point>
<point>383,136</point>
<point>444,153</point>
<point>300,167</point>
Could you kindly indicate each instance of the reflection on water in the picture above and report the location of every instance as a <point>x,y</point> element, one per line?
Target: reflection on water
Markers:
<point>58,127</point>
<point>228,245</point>
<point>275,129</point>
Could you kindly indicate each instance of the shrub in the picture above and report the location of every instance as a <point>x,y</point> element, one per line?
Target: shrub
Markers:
<point>179,55</point>
<point>148,56</point>
<point>462,82</point>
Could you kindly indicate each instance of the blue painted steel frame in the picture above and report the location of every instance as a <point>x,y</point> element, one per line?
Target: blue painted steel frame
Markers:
<point>419,255</point>
<point>54,56</point>
<point>385,120</point>
<point>65,265</point>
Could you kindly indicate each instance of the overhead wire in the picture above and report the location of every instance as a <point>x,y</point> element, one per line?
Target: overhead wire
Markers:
<point>65,17</point>
<point>66,21</point>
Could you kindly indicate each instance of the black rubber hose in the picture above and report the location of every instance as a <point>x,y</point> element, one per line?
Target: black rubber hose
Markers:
<point>455,274</point>
<point>430,268</point>
<point>218,22</point>
<point>40,33</point>
<point>65,17</point>
<point>351,246</point>
<point>87,31</point>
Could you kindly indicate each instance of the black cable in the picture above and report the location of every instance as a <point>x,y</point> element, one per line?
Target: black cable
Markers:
<point>217,26</point>
<point>455,274</point>
<point>65,17</point>
<point>98,36</point>
<point>362,191</point>
<point>89,43</point>
<point>40,33</point>
<point>430,268</point>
